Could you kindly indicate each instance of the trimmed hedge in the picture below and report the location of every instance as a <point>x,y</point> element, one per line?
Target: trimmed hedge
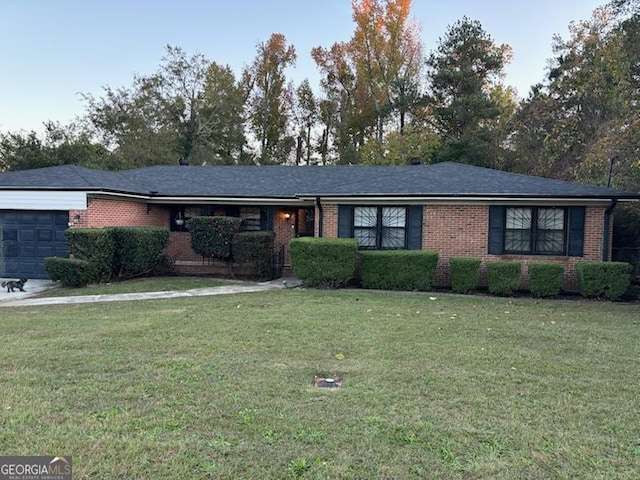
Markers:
<point>545,279</point>
<point>121,252</point>
<point>398,269</point>
<point>604,279</point>
<point>503,277</point>
<point>211,237</point>
<point>138,250</point>
<point>70,272</point>
<point>255,248</point>
<point>324,262</point>
<point>465,274</point>
<point>94,245</point>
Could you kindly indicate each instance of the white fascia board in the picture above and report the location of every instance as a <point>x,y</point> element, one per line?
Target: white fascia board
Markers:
<point>42,200</point>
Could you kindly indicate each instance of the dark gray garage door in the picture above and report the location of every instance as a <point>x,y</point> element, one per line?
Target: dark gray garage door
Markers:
<point>27,238</point>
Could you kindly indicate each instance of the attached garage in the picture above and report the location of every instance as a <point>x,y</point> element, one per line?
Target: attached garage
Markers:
<point>27,237</point>
<point>32,226</point>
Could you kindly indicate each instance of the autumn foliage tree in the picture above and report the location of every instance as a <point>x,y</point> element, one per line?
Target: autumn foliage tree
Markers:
<point>373,80</point>
<point>387,54</point>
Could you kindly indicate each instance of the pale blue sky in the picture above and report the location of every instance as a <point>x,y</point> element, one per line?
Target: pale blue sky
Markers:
<point>51,50</point>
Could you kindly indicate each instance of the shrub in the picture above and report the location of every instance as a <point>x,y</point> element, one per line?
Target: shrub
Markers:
<point>138,250</point>
<point>118,251</point>
<point>211,237</point>
<point>255,248</point>
<point>503,277</point>
<point>398,269</point>
<point>94,245</point>
<point>604,279</point>
<point>70,272</point>
<point>324,262</point>
<point>465,274</point>
<point>545,279</point>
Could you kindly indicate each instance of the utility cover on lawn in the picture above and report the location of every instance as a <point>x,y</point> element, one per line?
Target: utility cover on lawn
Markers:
<point>327,382</point>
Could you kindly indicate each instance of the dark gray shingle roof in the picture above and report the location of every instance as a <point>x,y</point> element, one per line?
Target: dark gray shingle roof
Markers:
<point>442,179</point>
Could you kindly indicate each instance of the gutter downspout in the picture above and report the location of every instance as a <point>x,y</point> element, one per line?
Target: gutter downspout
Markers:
<point>320,216</point>
<point>607,226</point>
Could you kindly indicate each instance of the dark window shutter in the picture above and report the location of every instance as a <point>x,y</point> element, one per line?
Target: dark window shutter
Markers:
<point>496,229</point>
<point>414,227</point>
<point>266,218</point>
<point>576,232</point>
<point>345,221</point>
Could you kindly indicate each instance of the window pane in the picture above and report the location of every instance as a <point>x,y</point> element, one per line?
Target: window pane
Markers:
<point>551,218</point>
<point>365,216</point>
<point>517,241</point>
<point>550,241</point>
<point>550,235</point>
<point>394,216</point>
<point>392,238</point>
<point>190,212</point>
<point>366,237</point>
<point>518,218</point>
<point>251,218</point>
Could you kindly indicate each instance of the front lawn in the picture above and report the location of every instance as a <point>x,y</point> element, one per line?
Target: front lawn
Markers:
<point>434,386</point>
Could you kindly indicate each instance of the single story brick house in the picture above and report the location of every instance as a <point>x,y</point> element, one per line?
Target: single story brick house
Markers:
<point>456,209</point>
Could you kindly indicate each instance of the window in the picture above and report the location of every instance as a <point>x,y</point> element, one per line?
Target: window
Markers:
<point>535,230</point>
<point>251,218</point>
<point>380,228</point>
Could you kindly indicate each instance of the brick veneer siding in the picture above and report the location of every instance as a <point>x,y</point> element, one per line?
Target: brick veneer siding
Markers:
<point>285,231</point>
<point>329,221</point>
<point>462,231</point>
<point>103,212</point>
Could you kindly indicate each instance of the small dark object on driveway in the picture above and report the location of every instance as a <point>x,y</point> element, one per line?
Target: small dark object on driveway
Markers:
<point>13,284</point>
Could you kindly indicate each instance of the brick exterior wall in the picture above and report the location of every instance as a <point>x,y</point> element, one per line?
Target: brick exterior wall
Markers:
<point>451,230</point>
<point>103,212</point>
<point>462,231</point>
<point>285,231</point>
<point>329,221</point>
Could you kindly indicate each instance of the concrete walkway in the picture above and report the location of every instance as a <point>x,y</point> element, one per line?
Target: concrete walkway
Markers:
<point>21,299</point>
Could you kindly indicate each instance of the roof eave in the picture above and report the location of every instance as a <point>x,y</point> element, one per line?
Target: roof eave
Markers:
<point>477,199</point>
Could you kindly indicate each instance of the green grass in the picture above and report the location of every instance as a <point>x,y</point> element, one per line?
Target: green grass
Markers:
<point>151,284</point>
<point>221,387</point>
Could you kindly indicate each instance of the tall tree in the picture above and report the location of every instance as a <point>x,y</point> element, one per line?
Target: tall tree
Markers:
<point>223,99</point>
<point>270,100</point>
<point>578,119</point>
<point>177,90</point>
<point>130,125</point>
<point>68,144</point>
<point>373,81</point>
<point>387,53</point>
<point>306,116</point>
<point>463,71</point>
<point>190,108</point>
<point>347,112</point>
